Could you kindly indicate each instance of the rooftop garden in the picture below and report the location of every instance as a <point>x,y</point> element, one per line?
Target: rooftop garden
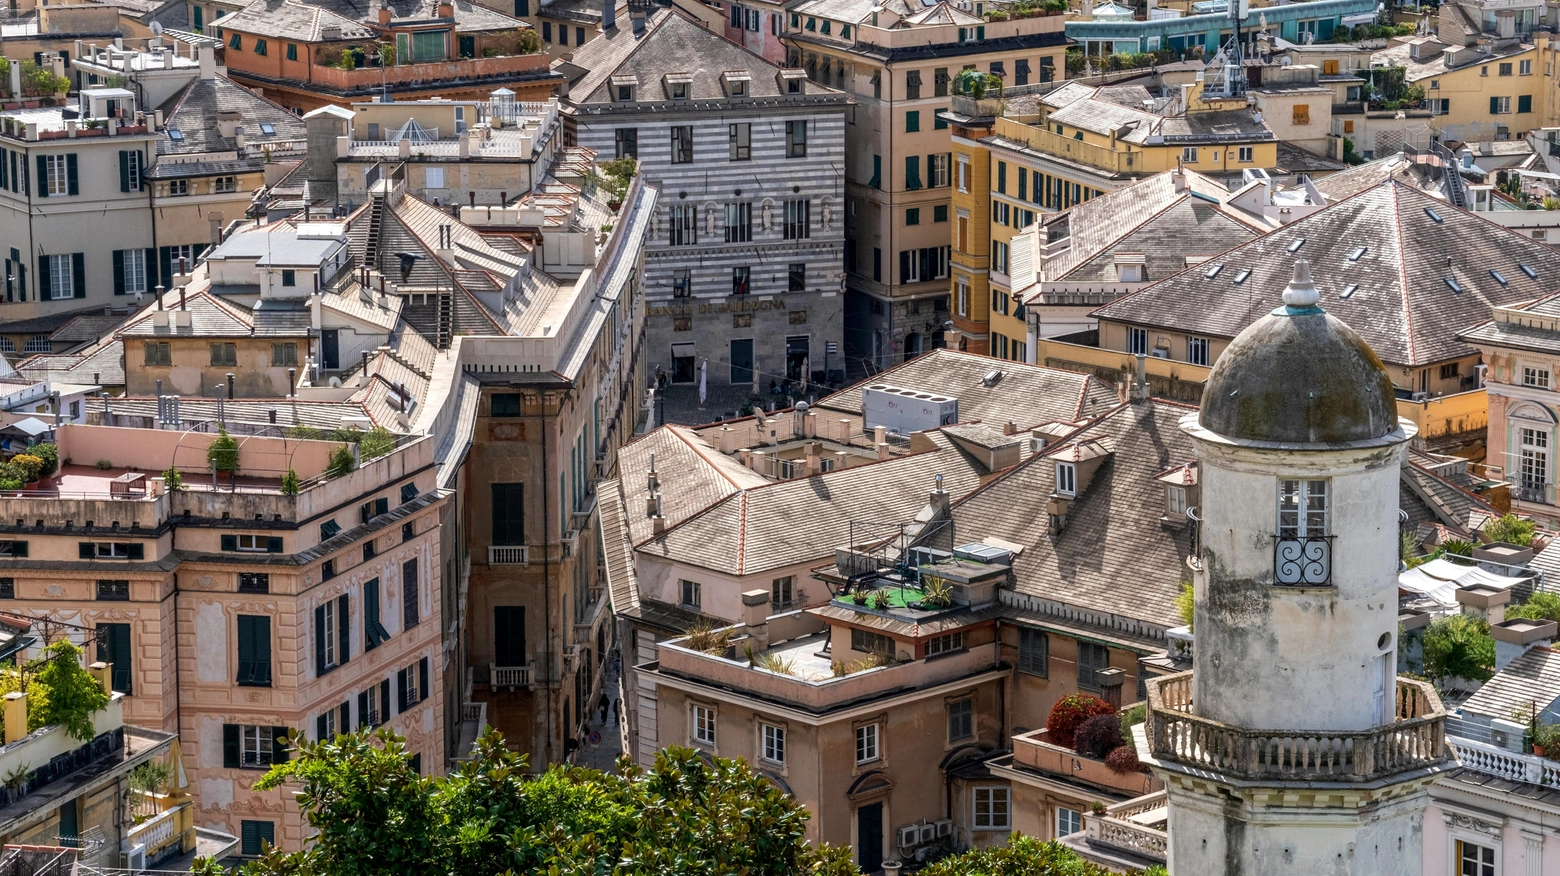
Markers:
<point>1093,728</point>
<point>1077,63</point>
<point>1362,32</point>
<point>1027,9</point>
<point>932,594</point>
<point>37,81</point>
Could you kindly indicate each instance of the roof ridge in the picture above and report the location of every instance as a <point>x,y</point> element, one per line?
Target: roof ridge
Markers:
<point>1012,470</point>
<point>1402,266</point>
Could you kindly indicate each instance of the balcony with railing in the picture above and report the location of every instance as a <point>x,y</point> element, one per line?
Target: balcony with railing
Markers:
<point>1137,827</point>
<point>1492,760</point>
<point>1414,739</point>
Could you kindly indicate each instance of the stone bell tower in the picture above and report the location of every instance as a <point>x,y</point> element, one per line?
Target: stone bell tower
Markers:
<point>1292,747</point>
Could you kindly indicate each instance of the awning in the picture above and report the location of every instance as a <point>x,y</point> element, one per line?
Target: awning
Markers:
<point>1358,18</point>
<point>1440,580</point>
<point>682,351</point>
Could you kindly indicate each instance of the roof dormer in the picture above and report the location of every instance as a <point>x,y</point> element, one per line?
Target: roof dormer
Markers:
<point>737,83</point>
<point>678,85</point>
<point>625,88</point>
<point>792,81</point>
<point>1075,465</point>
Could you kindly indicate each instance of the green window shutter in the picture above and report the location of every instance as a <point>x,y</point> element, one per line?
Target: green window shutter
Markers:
<point>164,264</point>
<point>362,710</point>
<point>273,545</point>
<point>381,506</point>
<point>877,173</point>
<point>980,32</point>
<point>279,752</point>
<point>319,641</point>
<point>422,679</point>
<point>43,174</point>
<point>78,273</point>
<point>912,172</point>
<point>43,277</point>
<point>344,627</point>
<point>384,700</point>
<point>1525,103</point>
<point>400,690</point>
<point>319,727</point>
<point>1494,105</point>
<point>230,542</point>
<point>230,746</point>
<point>912,121</point>
<point>70,174</point>
<point>86,550</point>
<point>137,551</point>
<point>124,170</point>
<point>119,269</point>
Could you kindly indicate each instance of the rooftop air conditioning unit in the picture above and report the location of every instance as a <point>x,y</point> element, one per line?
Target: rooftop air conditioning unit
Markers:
<point>928,832</point>
<point>945,827</point>
<point>135,859</point>
<point>909,836</point>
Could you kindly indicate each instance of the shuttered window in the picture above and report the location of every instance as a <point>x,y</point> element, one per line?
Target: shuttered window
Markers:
<point>257,835</point>
<point>113,647</point>
<point>254,651</point>
<point>409,595</point>
<point>1033,651</point>
<point>1091,659</point>
<point>373,629</point>
<point>508,514</point>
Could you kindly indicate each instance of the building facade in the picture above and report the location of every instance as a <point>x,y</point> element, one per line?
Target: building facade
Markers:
<point>743,276</point>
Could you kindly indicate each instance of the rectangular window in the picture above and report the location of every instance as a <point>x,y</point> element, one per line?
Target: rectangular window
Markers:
<point>867,749</point>
<point>504,404</point>
<point>251,543</point>
<point>912,121</point>
<point>1175,500</point>
<point>1475,860</point>
<point>913,216</point>
<point>1302,508</point>
<point>292,52</point>
<point>1066,479</point>
<point>704,725</point>
<point>1068,821</point>
<point>871,643</point>
<point>945,644</point>
<point>254,582</point>
<point>113,591</point>
<point>178,188</point>
<point>739,280</point>
<point>60,275</point>
<point>913,87</point>
<point>991,808</point>
<point>113,647</point>
<point>1197,350</point>
<point>412,684</point>
<point>1245,155</point>
<point>684,225</point>
<point>257,835</point>
<point>1534,459</point>
<point>1505,68</point>
<point>682,144</point>
<point>284,354</point>
<point>130,271</point>
<point>57,175</point>
<point>1536,377</point>
<point>1091,659</point>
<point>739,222</point>
<point>254,651</point>
<point>961,719</point>
<point>257,746</point>
<point>508,514</point>
<point>781,592</point>
<point>773,738</point>
<point>798,219</point>
<point>1137,341</point>
<point>940,82</point>
<point>796,277</point>
<point>374,631</point>
<point>159,353</point>
<point>411,608</point>
<point>1525,103</point>
<point>740,140</point>
<point>796,139</point>
<point>224,354</point>
<point>1300,116</point>
<point>1033,651</point>
<point>626,141</point>
<point>691,593</point>
<point>1500,105</point>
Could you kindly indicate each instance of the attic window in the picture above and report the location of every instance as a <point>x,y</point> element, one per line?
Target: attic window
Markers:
<point>677,85</point>
<point>1294,245</point>
<point>267,128</point>
<point>1348,290</point>
<point>1452,284</point>
<point>1498,278</point>
<point>1213,271</point>
<point>1066,479</point>
<point>1357,253</point>
<point>1241,277</point>
<point>1532,274</point>
<point>175,134</point>
<point>1434,216</point>
<point>736,82</point>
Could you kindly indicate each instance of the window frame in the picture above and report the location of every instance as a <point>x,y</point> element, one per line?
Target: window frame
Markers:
<point>998,802</point>
<point>771,743</point>
<point>1066,478</point>
<point>688,588</point>
<point>961,719</point>
<point>1305,521</point>
<point>703,724</point>
<point>869,743</point>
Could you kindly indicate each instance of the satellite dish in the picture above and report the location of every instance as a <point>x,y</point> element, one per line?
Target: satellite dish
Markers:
<point>157,29</point>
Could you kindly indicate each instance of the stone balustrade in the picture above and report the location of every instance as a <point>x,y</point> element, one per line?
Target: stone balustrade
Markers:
<point>1415,738</point>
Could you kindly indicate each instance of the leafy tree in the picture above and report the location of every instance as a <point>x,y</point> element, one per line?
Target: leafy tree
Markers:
<point>223,452</point>
<point>1186,605</point>
<point>1510,529</point>
<point>1540,606</point>
<point>1459,646</point>
<point>1023,856</point>
<point>172,479</point>
<point>341,462</point>
<point>62,691</point>
<point>684,815</point>
<point>290,484</point>
<point>377,442</point>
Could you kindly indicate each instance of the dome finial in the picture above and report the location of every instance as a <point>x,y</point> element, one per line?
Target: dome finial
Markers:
<point>1301,292</point>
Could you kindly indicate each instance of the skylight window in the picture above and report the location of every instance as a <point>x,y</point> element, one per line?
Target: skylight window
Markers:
<point>1358,251</point>
<point>1241,277</point>
<point>1294,245</point>
<point>1434,216</point>
<point>1348,290</point>
<point>1213,271</point>
<point>1532,274</point>
<point>175,134</point>
<point>1498,278</point>
<point>1452,284</point>
<point>267,128</point>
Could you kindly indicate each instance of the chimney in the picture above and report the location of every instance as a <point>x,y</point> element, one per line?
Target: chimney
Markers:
<point>1010,428</point>
<point>1513,638</point>
<point>1110,681</point>
<point>879,434</point>
<point>882,450</point>
<point>384,16</point>
<point>1178,178</point>
<point>938,501</point>
<point>16,88</point>
<point>208,62</point>
<point>756,460</point>
<point>446,10</point>
<point>1140,383</point>
<point>183,302</point>
<point>1484,601</point>
<point>755,607</point>
<point>608,15</point>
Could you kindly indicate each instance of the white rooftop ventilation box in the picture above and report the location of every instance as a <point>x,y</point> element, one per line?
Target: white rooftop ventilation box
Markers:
<point>903,411</point>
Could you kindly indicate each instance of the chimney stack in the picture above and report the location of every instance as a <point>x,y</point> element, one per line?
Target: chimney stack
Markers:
<point>1140,383</point>
<point>1513,638</point>
<point>608,15</point>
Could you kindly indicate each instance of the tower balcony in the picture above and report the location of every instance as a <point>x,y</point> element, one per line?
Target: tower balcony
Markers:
<point>1414,739</point>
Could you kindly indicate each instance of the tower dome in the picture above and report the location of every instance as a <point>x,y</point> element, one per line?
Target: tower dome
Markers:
<point>1299,376</point>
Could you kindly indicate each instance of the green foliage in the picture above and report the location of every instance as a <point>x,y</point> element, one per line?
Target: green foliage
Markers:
<point>1349,155</point>
<point>28,465</point>
<point>976,85</point>
<point>1457,547</point>
<point>1186,605</point>
<point>103,465</point>
<point>290,483</point>
<point>684,815</point>
<point>1022,856</point>
<point>151,777</point>
<point>305,433</point>
<point>11,477</point>
<point>1362,32</point>
<point>1510,529</point>
<point>880,600</point>
<point>1547,736</point>
<point>62,691</point>
<point>172,479</point>
<point>223,452</point>
<point>378,442</point>
<point>1408,548</point>
<point>936,592</point>
<point>40,81</point>
<point>1388,88</point>
<point>1133,717</point>
<point>1540,606</point>
<point>50,454</point>
<point>341,462</point>
<point>1459,646</point>
<point>618,175</point>
<point>528,43</point>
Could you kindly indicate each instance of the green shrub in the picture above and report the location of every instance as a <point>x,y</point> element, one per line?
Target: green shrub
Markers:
<point>307,433</point>
<point>290,483</point>
<point>341,462</point>
<point>1540,606</point>
<point>103,465</point>
<point>50,454</point>
<point>1459,646</point>
<point>172,480</point>
<point>30,466</point>
<point>1186,605</point>
<point>62,691</point>
<point>377,442</point>
<point>1510,529</point>
<point>223,452</point>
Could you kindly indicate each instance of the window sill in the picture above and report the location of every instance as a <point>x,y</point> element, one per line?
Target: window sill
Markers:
<point>252,683</point>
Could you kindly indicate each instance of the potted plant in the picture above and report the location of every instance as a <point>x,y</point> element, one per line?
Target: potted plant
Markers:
<point>1546,738</point>
<point>1097,807</point>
